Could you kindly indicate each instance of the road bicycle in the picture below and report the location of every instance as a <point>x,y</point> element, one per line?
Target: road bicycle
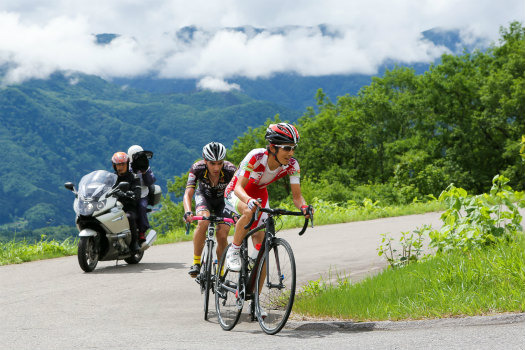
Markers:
<point>269,284</point>
<point>206,277</point>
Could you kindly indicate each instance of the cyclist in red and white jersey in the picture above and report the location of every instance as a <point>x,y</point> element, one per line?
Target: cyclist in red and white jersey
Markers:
<point>259,168</point>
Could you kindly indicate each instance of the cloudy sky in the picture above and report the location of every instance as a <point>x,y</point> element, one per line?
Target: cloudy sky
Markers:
<point>308,37</point>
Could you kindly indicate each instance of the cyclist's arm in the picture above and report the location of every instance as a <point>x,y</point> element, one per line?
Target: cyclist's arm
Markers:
<point>188,195</point>
<point>298,198</point>
<point>239,190</point>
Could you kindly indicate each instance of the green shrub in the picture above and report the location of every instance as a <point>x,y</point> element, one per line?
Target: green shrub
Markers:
<point>476,221</point>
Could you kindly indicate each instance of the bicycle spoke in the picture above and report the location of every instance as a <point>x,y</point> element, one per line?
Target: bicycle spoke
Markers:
<point>226,288</point>
<point>275,287</point>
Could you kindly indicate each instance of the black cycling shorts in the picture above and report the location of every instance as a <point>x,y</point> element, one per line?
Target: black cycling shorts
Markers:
<point>214,205</point>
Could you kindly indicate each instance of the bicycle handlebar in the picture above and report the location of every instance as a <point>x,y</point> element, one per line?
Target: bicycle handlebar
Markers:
<point>279,211</point>
<point>213,218</point>
<point>209,218</point>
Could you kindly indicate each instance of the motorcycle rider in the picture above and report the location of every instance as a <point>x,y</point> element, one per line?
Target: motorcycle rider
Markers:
<point>120,161</point>
<point>139,164</point>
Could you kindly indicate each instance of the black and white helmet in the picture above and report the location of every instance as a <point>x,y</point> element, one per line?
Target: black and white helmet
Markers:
<point>214,151</point>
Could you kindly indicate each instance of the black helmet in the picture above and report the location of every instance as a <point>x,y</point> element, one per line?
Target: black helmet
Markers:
<point>214,151</point>
<point>278,134</point>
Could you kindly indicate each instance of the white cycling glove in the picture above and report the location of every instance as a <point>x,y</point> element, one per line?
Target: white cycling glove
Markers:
<point>252,203</point>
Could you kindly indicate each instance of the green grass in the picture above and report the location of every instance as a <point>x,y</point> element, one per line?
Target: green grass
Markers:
<point>332,213</point>
<point>15,252</point>
<point>481,282</point>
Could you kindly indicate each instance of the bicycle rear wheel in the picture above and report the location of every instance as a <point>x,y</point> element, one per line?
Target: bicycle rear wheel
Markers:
<point>226,288</point>
<point>206,283</point>
<point>274,294</point>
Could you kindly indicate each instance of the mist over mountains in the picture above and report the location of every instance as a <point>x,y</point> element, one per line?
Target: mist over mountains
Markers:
<point>291,89</point>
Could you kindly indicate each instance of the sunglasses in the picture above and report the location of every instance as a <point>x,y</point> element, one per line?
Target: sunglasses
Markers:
<point>286,148</point>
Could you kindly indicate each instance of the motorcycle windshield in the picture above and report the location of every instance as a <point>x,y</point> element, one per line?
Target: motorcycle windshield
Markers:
<point>93,185</point>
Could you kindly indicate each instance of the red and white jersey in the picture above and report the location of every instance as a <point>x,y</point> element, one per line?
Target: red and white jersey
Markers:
<point>255,168</point>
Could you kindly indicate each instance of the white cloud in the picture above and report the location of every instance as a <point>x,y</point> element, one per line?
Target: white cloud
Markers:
<point>49,35</point>
<point>217,85</point>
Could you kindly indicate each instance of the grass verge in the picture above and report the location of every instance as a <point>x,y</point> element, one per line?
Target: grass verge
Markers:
<point>479,282</point>
<point>15,252</point>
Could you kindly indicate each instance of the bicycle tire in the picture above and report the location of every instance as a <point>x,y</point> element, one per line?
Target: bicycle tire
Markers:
<point>226,285</point>
<point>277,299</point>
<point>207,276</point>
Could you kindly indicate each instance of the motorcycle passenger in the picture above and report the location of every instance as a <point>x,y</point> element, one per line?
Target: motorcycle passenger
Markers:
<point>259,168</point>
<point>139,164</point>
<point>212,174</point>
<point>128,199</point>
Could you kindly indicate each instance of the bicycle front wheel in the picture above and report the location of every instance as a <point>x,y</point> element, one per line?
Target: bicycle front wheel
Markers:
<point>275,287</point>
<point>206,283</point>
<point>227,303</point>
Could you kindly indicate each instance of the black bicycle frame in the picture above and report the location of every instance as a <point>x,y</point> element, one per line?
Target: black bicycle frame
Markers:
<point>269,237</point>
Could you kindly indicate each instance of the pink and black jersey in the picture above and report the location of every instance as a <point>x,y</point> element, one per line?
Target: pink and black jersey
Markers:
<point>198,176</point>
<point>255,167</point>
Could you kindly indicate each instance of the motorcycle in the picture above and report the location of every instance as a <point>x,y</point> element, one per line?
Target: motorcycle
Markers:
<point>103,226</point>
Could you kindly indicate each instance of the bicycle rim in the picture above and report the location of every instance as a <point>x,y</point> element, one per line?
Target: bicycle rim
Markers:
<point>226,286</point>
<point>274,296</point>
<point>207,277</point>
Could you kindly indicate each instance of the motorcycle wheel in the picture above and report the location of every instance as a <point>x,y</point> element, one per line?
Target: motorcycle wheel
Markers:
<point>87,253</point>
<point>134,259</point>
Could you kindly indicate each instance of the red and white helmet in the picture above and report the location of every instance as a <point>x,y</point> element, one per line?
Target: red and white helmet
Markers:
<point>119,158</point>
<point>282,133</point>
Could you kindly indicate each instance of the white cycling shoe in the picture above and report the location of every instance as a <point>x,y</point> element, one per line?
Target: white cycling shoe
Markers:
<point>233,260</point>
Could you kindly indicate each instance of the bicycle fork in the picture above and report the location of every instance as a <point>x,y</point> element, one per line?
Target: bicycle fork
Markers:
<point>270,243</point>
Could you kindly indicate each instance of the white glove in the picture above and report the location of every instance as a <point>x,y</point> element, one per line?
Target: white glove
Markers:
<point>252,203</point>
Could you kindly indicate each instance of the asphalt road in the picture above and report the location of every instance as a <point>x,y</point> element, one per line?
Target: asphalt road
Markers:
<point>52,304</point>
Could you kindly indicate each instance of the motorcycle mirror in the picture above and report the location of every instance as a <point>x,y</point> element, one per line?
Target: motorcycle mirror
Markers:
<point>69,186</point>
<point>123,186</point>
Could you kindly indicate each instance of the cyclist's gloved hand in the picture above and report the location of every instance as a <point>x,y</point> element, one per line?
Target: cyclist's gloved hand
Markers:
<point>307,210</point>
<point>187,216</point>
<point>252,204</point>
<point>119,194</point>
<point>130,194</point>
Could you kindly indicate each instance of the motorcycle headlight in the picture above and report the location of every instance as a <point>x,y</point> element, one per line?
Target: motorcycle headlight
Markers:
<point>101,204</point>
<point>85,207</point>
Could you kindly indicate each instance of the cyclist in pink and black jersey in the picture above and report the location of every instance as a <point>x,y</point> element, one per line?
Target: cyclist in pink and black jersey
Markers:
<point>258,169</point>
<point>207,179</point>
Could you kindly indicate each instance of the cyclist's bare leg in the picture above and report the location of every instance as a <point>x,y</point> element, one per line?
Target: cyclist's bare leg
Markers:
<point>222,238</point>
<point>199,236</point>
<point>246,216</point>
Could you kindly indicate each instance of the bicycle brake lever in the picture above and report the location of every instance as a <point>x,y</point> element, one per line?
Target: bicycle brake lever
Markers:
<point>188,229</point>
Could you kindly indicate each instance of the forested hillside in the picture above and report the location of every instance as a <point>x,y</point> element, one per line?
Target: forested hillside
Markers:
<point>407,136</point>
<point>56,130</point>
